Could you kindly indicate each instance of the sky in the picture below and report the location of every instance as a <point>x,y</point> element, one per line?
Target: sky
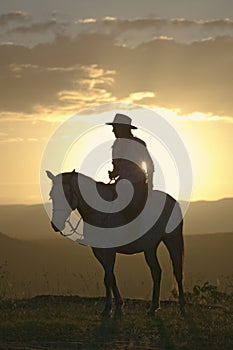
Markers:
<point>58,58</point>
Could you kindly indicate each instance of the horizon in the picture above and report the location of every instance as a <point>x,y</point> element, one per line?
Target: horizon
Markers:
<point>41,202</point>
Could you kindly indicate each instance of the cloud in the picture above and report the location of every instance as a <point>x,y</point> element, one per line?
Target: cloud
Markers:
<point>18,139</point>
<point>129,32</point>
<point>87,20</point>
<point>12,139</point>
<point>40,27</point>
<point>140,97</point>
<point>37,87</point>
<point>17,16</point>
<point>68,75</point>
<point>20,28</point>
<point>94,89</point>
<point>201,117</point>
<point>133,32</point>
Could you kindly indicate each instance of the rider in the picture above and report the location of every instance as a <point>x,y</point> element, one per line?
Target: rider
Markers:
<point>131,161</point>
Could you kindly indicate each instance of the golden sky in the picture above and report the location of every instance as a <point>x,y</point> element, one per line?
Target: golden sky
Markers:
<point>172,57</point>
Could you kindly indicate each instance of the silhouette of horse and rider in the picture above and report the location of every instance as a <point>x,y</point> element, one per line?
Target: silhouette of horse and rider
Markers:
<point>133,170</point>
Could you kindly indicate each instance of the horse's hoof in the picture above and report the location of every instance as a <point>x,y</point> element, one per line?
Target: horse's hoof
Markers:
<point>105,314</point>
<point>153,312</point>
<point>183,312</point>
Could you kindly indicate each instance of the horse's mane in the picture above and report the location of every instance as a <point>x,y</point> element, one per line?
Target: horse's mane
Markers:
<point>106,191</point>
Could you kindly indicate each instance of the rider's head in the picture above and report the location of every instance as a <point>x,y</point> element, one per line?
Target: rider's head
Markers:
<point>121,130</point>
<point>122,125</point>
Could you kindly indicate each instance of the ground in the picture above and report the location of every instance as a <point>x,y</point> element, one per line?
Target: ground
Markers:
<point>72,322</point>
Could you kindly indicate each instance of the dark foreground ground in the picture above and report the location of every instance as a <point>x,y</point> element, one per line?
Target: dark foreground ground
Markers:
<point>58,322</point>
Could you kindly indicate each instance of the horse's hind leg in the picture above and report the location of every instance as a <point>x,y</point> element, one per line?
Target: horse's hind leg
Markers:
<point>108,300</point>
<point>118,299</point>
<point>175,245</point>
<point>153,263</point>
<point>107,262</point>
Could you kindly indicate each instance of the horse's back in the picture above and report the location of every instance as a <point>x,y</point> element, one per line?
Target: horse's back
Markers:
<point>106,191</point>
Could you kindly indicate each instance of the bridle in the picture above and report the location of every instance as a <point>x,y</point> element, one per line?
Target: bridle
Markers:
<point>73,229</point>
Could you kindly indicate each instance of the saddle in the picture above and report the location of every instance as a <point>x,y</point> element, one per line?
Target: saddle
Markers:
<point>109,194</point>
<point>118,218</point>
<point>107,191</point>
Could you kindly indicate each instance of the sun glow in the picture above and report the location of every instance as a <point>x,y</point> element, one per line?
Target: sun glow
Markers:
<point>144,167</point>
<point>91,153</point>
<point>208,140</point>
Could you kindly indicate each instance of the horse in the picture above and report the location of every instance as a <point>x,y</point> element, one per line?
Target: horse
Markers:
<point>66,197</point>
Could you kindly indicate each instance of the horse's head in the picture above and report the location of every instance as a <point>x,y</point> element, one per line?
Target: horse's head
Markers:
<point>64,198</point>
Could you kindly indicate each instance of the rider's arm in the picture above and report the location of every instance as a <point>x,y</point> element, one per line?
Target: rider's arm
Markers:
<point>115,161</point>
<point>150,168</point>
<point>116,167</point>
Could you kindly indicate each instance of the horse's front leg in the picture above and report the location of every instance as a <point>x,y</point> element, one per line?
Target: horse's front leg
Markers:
<point>102,256</point>
<point>107,259</point>
<point>108,300</point>
<point>111,285</point>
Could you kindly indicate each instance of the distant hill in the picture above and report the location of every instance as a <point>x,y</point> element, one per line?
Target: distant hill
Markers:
<point>209,217</point>
<point>31,222</point>
<point>27,222</point>
<point>60,266</point>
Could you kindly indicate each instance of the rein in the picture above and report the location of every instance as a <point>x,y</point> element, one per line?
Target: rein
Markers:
<point>73,228</point>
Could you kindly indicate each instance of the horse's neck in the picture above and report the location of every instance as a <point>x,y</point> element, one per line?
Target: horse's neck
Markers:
<point>83,185</point>
<point>84,181</point>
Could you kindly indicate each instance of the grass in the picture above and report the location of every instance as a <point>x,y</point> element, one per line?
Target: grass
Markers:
<point>72,322</point>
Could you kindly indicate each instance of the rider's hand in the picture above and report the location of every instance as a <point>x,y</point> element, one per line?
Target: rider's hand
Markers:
<point>111,175</point>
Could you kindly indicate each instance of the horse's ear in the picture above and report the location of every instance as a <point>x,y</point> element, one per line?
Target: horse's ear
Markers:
<point>73,171</point>
<point>50,175</point>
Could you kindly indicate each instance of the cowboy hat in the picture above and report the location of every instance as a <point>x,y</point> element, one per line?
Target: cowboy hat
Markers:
<point>122,119</point>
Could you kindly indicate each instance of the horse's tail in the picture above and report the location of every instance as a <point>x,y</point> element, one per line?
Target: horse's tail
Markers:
<point>174,242</point>
<point>182,242</point>
<point>172,226</point>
